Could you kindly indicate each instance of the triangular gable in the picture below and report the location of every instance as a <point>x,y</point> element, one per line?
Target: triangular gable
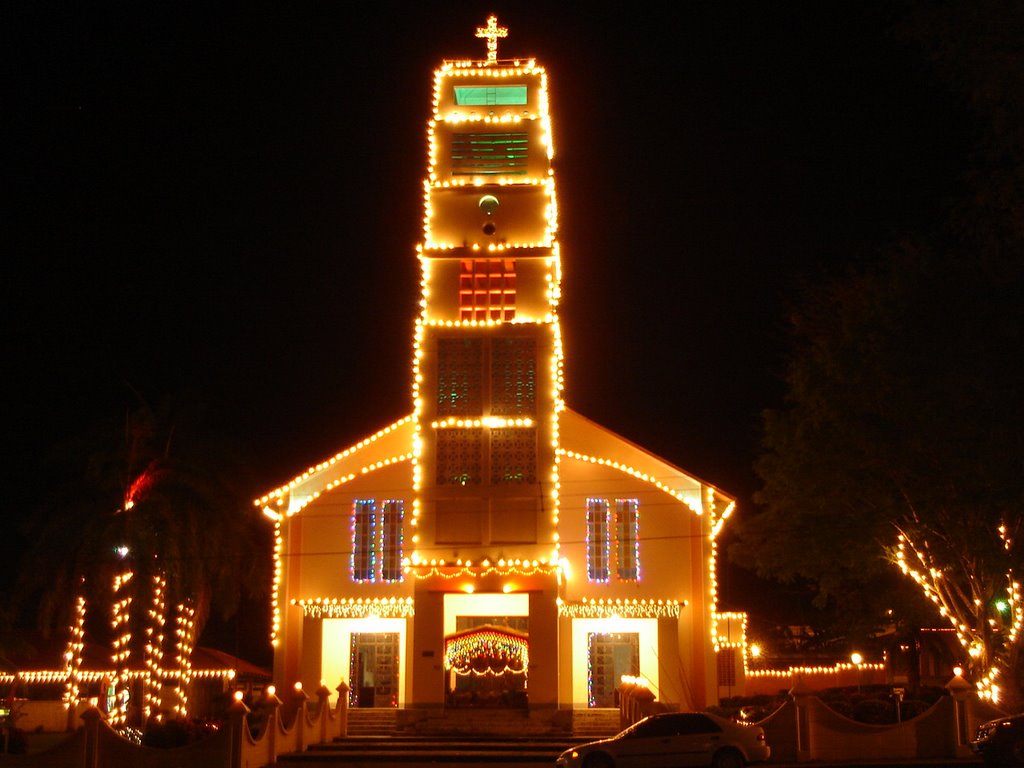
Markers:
<point>391,445</point>
<point>585,440</point>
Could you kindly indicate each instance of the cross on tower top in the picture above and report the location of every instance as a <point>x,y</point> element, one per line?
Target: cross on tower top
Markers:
<point>492,32</point>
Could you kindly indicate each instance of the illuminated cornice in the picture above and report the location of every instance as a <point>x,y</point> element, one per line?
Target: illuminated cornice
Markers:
<point>493,422</point>
<point>357,608</point>
<point>483,567</point>
<point>50,676</point>
<point>619,608</point>
<point>814,670</point>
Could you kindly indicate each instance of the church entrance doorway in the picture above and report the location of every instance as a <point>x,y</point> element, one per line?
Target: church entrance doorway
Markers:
<point>486,665</point>
<point>374,669</point>
<point>612,655</point>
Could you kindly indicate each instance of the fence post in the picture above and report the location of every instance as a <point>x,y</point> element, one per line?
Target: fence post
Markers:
<point>343,690</point>
<point>960,690</point>
<point>236,723</point>
<point>801,695</point>
<point>299,704</point>
<point>92,716</point>
<point>323,696</point>
<point>272,705</point>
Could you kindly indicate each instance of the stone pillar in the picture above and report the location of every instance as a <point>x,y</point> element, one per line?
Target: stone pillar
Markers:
<point>272,706</point>
<point>960,691</point>
<point>236,731</point>
<point>427,663</point>
<point>542,685</point>
<point>92,716</point>
<point>343,689</point>
<point>801,694</point>
<point>298,705</point>
<point>635,701</point>
<point>323,711</point>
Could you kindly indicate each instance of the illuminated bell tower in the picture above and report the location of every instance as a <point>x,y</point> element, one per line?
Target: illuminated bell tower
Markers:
<point>487,369</point>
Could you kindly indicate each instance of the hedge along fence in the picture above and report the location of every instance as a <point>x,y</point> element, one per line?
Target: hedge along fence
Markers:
<point>805,728</point>
<point>281,726</point>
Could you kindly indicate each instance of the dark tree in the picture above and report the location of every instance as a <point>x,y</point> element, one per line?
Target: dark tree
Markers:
<point>901,444</point>
<point>154,519</point>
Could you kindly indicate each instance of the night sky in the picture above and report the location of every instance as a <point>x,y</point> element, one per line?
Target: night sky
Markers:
<point>222,200</point>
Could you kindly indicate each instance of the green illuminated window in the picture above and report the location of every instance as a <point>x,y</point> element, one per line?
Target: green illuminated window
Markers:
<point>488,154</point>
<point>490,95</point>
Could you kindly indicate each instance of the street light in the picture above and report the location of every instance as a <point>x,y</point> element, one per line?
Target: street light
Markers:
<point>857,659</point>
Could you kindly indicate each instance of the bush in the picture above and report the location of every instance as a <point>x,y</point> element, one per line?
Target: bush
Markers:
<point>841,706</point>
<point>874,712</point>
<point>749,708</point>
<point>913,707</point>
<point>177,733</point>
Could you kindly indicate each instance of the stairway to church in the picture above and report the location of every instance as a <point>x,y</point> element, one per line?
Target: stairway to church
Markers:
<point>593,724</point>
<point>511,737</point>
<point>578,724</point>
<point>372,722</point>
<point>410,751</point>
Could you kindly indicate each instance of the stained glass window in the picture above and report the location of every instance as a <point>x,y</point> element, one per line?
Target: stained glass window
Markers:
<point>392,513</point>
<point>598,540</point>
<point>627,525</point>
<point>363,540</point>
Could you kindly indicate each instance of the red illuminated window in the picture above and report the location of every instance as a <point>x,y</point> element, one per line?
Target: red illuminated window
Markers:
<point>487,289</point>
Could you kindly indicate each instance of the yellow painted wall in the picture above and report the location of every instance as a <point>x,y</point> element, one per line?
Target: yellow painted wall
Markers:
<point>521,218</point>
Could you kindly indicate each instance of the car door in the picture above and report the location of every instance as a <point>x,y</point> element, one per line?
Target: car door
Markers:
<point>698,738</point>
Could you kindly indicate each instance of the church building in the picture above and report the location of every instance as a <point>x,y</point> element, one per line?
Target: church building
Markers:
<point>494,547</point>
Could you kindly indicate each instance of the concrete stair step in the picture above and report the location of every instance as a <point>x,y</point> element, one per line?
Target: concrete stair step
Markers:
<point>513,738</point>
<point>372,722</point>
<point>594,724</point>
<point>356,752</point>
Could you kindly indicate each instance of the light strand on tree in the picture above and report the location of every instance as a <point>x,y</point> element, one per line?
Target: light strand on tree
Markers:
<point>73,654</point>
<point>153,651</point>
<point>917,563</point>
<point>185,632</point>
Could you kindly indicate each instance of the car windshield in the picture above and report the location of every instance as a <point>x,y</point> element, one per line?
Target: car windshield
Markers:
<point>670,725</point>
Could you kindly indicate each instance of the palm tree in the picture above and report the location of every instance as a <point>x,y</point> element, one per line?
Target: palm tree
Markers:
<point>154,532</point>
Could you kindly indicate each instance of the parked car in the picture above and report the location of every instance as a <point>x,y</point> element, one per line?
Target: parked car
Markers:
<point>1001,742</point>
<point>673,739</point>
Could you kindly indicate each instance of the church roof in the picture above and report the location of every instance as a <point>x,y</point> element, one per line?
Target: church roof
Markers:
<point>580,439</point>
